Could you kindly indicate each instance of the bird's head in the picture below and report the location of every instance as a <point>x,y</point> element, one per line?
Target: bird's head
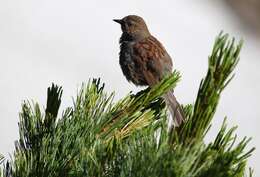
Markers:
<point>134,26</point>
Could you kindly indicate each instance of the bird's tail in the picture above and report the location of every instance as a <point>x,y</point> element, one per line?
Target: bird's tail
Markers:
<point>174,108</point>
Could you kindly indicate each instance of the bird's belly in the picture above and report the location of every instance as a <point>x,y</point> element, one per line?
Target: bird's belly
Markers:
<point>129,67</point>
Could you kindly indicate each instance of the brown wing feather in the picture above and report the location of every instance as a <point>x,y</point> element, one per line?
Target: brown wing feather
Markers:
<point>154,63</point>
<point>153,60</point>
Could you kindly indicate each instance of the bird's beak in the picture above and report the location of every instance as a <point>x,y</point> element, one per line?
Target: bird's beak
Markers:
<point>118,21</point>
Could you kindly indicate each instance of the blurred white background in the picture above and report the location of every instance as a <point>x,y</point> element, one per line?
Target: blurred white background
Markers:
<point>68,42</point>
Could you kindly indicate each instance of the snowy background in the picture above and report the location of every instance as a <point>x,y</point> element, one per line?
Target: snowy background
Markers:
<point>68,42</point>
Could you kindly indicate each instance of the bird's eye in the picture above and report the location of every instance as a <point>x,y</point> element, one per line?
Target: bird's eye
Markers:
<point>130,23</point>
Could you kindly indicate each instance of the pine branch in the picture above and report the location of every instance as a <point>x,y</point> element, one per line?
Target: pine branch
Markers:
<point>227,159</point>
<point>139,106</point>
<point>222,62</point>
<point>53,103</point>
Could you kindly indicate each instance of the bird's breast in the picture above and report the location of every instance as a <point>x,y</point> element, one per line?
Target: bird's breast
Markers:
<point>126,54</point>
<point>128,64</point>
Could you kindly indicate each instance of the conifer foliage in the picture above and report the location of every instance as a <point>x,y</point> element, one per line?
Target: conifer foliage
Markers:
<point>100,137</point>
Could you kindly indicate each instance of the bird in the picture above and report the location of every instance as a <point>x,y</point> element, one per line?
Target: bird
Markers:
<point>144,60</point>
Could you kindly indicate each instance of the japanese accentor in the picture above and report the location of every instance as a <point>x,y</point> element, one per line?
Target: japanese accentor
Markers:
<point>144,61</point>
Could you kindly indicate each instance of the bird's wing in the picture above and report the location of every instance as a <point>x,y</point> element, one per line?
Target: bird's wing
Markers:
<point>153,60</point>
